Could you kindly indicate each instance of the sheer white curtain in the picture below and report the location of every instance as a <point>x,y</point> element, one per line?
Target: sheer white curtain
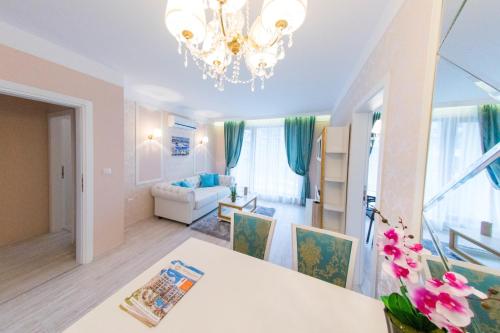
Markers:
<point>454,144</point>
<point>263,165</point>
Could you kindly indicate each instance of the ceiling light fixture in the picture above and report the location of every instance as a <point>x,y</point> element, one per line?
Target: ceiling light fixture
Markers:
<point>221,45</point>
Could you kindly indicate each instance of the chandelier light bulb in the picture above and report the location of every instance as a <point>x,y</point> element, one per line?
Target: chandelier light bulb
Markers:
<point>260,35</point>
<point>284,15</point>
<point>259,60</point>
<point>185,20</point>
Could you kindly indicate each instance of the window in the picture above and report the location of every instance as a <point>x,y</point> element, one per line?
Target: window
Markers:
<point>455,143</point>
<point>263,166</point>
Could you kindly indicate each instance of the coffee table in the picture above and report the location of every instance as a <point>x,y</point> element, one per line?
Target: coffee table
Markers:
<point>245,202</point>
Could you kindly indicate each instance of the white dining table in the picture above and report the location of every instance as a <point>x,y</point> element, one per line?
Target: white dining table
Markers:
<point>240,294</point>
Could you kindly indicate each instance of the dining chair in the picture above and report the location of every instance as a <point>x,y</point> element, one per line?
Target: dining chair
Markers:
<point>324,254</point>
<point>252,234</point>
<point>480,277</point>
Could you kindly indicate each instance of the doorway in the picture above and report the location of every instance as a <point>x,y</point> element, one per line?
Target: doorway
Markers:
<point>62,171</point>
<point>363,190</point>
<point>81,232</point>
<point>37,196</point>
<point>84,159</point>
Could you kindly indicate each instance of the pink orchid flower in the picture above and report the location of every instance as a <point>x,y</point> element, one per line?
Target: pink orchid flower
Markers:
<point>400,272</point>
<point>393,235</point>
<point>455,309</point>
<point>453,329</point>
<point>423,299</point>
<point>392,251</point>
<point>412,264</point>
<point>435,285</point>
<point>457,285</point>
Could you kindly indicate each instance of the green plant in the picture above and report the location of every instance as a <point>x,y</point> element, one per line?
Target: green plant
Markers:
<point>233,193</point>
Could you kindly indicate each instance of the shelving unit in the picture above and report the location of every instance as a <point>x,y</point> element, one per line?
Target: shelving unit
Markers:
<point>334,144</point>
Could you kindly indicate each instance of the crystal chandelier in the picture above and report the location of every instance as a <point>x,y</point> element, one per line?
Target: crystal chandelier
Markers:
<point>220,46</point>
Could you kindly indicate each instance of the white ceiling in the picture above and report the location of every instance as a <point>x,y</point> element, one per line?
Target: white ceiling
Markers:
<point>473,44</point>
<point>130,37</point>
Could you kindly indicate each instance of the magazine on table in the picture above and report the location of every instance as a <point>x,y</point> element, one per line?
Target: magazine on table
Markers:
<point>155,299</point>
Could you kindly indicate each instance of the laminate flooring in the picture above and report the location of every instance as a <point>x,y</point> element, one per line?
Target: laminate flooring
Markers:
<point>57,303</point>
<point>28,264</point>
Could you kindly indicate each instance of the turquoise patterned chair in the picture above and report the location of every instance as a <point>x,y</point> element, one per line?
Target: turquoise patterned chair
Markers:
<point>252,234</point>
<point>481,278</point>
<point>323,254</point>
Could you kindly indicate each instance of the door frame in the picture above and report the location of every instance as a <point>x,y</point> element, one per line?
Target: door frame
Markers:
<point>84,163</point>
<point>358,165</point>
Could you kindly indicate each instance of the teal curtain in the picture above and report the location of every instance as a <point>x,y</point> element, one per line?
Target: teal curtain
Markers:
<point>233,141</point>
<point>489,123</point>
<point>299,139</point>
<point>376,116</point>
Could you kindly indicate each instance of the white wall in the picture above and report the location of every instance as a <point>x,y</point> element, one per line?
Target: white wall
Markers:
<point>138,199</point>
<point>403,63</point>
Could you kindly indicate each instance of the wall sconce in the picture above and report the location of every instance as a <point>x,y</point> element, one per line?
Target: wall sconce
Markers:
<point>155,134</point>
<point>204,140</point>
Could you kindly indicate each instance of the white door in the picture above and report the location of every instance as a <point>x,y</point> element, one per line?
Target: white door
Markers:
<point>358,225</point>
<point>356,192</point>
<point>62,176</point>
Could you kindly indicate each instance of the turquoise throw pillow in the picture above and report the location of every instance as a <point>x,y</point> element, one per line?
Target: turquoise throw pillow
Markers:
<point>183,183</point>
<point>216,179</point>
<point>207,180</point>
<point>186,184</point>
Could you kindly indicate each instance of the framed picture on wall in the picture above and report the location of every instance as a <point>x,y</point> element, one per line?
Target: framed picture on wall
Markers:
<point>180,146</point>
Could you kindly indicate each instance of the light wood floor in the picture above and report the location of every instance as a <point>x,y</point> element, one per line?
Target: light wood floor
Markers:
<point>59,302</point>
<point>30,263</point>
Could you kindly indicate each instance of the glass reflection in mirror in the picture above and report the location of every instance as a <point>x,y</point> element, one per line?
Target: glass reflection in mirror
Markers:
<point>462,190</point>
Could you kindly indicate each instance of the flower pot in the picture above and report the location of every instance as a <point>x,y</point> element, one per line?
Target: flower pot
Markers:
<point>233,198</point>
<point>395,326</point>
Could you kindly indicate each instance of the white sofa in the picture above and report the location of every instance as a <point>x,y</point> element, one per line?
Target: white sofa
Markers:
<point>189,204</point>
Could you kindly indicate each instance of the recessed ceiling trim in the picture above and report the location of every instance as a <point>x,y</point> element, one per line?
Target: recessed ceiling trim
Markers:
<point>42,48</point>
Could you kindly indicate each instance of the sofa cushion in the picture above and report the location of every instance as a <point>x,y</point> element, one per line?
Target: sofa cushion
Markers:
<point>223,192</point>
<point>207,195</point>
<point>204,196</point>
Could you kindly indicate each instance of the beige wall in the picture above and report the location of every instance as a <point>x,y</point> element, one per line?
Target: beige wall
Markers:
<point>405,61</point>
<point>24,169</point>
<point>107,101</point>
<point>139,203</point>
<point>220,157</point>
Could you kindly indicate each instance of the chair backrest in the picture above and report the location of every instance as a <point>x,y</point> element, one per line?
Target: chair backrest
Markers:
<point>252,234</point>
<point>323,254</point>
<point>480,277</point>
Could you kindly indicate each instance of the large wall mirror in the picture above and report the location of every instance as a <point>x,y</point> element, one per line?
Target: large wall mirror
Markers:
<point>462,191</point>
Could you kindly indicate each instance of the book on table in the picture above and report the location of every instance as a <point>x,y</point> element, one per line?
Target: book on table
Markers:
<point>156,298</point>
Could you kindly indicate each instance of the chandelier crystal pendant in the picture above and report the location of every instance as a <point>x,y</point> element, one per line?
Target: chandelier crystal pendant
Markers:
<point>220,46</point>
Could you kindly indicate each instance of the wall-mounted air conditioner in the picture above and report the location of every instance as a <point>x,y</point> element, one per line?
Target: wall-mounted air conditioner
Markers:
<point>179,122</point>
